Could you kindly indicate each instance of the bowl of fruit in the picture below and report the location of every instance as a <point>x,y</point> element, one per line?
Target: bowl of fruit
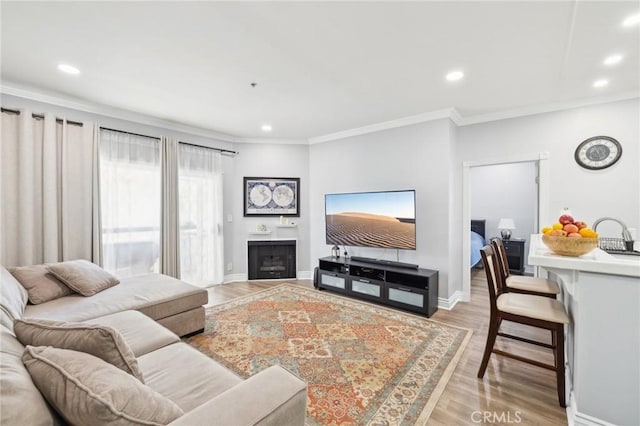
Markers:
<point>569,238</point>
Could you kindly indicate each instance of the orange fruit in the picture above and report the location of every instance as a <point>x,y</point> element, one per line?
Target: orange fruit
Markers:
<point>557,225</point>
<point>588,233</point>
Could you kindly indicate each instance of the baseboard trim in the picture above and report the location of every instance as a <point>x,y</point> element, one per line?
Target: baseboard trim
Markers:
<point>232,278</point>
<point>450,303</point>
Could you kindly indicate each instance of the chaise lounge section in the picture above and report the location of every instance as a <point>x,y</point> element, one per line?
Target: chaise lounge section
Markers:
<point>170,302</point>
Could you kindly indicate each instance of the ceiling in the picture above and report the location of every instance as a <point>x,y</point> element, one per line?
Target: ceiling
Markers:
<point>320,67</point>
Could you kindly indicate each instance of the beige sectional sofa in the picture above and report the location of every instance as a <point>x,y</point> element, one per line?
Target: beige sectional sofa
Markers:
<point>149,313</point>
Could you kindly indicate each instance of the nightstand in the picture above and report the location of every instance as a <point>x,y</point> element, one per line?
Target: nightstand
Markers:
<point>515,255</point>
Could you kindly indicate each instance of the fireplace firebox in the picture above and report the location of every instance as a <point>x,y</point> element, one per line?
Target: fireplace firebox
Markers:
<point>272,259</point>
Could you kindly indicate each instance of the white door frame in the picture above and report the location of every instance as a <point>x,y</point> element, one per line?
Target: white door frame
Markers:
<point>543,205</point>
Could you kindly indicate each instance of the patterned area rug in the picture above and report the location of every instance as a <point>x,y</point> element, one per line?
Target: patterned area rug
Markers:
<point>364,364</point>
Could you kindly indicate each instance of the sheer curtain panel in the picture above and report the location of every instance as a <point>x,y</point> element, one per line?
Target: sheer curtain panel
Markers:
<point>201,214</point>
<point>130,184</point>
<point>48,188</point>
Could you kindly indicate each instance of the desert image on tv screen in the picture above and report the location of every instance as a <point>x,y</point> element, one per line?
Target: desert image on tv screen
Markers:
<point>372,219</point>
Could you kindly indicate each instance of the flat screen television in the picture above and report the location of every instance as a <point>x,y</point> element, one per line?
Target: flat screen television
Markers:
<point>385,219</point>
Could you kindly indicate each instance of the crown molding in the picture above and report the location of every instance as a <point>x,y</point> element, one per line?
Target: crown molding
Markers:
<point>272,141</point>
<point>14,89</point>
<point>545,108</point>
<point>450,113</point>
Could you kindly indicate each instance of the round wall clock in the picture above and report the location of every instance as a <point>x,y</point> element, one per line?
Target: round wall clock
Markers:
<point>598,152</point>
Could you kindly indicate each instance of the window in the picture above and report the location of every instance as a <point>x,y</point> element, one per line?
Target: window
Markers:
<point>200,203</point>
<point>130,185</point>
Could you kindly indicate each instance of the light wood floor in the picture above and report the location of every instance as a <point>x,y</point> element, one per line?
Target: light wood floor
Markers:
<point>511,392</point>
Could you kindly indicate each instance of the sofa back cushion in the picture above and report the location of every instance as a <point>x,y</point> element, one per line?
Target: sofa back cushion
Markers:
<point>101,341</point>
<point>20,401</point>
<point>83,276</point>
<point>41,285</point>
<point>13,298</point>
<point>86,390</point>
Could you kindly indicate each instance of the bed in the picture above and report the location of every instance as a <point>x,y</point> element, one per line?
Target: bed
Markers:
<point>477,240</point>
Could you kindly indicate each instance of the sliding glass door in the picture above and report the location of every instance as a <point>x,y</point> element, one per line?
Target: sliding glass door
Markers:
<point>200,212</point>
<point>132,205</point>
<point>130,202</point>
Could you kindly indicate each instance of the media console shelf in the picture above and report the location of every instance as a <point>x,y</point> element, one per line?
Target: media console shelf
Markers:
<point>412,289</point>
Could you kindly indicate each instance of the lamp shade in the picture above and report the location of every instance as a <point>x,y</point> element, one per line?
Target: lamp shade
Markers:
<point>506,223</point>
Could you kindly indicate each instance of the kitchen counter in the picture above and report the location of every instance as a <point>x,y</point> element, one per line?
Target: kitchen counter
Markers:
<point>598,261</point>
<point>601,294</point>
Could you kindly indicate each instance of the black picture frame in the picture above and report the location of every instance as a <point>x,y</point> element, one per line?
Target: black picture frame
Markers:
<point>271,196</point>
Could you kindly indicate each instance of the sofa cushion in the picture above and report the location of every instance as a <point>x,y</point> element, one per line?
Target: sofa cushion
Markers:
<point>83,276</point>
<point>13,298</point>
<point>142,334</point>
<point>155,295</point>
<point>41,284</point>
<point>101,341</point>
<point>21,403</point>
<point>194,378</point>
<point>86,390</point>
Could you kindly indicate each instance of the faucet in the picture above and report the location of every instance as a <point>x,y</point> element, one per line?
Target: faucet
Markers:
<point>626,235</point>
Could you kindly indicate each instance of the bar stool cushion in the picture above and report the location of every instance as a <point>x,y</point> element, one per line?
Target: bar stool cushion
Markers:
<point>538,307</point>
<point>539,285</point>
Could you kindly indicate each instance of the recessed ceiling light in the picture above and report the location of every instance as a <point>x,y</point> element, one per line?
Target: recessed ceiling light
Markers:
<point>631,20</point>
<point>454,75</point>
<point>69,69</point>
<point>600,83</point>
<point>266,128</point>
<point>612,60</point>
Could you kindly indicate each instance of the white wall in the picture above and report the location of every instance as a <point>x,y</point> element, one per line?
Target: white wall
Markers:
<point>266,160</point>
<point>429,156</point>
<point>413,157</point>
<point>505,191</point>
<point>589,194</point>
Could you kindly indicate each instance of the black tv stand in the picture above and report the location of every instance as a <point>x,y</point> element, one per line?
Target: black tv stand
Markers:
<point>385,262</point>
<point>406,287</point>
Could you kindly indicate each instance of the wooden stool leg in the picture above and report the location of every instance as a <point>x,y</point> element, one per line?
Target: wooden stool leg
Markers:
<point>554,343</point>
<point>491,340</point>
<point>559,356</point>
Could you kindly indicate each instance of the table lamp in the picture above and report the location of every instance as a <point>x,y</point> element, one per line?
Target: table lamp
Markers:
<point>505,226</point>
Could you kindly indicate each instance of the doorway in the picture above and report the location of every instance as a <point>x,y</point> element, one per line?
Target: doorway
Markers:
<point>507,194</point>
<point>539,203</point>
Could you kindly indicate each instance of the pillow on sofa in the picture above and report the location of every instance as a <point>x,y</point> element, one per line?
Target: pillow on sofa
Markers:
<point>83,276</point>
<point>13,298</point>
<point>100,341</point>
<point>86,390</point>
<point>41,285</point>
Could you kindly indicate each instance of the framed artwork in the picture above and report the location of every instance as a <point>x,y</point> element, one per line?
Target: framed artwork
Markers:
<point>271,196</point>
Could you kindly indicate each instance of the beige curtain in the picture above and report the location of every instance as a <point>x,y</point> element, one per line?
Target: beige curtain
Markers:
<point>169,235</point>
<point>48,188</point>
